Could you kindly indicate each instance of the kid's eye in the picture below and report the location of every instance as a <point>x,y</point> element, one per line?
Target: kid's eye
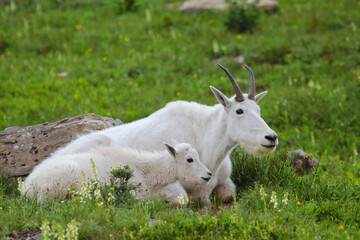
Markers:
<point>239,111</point>
<point>190,160</point>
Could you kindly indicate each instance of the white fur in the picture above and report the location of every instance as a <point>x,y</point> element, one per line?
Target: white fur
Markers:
<point>154,170</point>
<point>213,130</point>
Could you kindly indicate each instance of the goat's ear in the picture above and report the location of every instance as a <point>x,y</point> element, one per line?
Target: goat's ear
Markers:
<point>171,149</point>
<point>260,96</point>
<point>222,99</point>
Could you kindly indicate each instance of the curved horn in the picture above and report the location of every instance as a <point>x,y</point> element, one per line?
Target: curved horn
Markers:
<point>252,84</point>
<point>239,96</point>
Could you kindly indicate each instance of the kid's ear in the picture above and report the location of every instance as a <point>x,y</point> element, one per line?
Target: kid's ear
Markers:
<point>171,149</point>
<point>260,96</point>
<point>222,99</point>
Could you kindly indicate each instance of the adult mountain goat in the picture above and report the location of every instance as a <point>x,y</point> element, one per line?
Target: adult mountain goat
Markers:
<point>213,130</point>
<point>154,170</point>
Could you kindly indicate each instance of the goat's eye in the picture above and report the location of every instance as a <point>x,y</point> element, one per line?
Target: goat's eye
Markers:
<point>239,111</point>
<point>190,160</point>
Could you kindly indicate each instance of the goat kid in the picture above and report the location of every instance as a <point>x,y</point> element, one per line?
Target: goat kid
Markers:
<point>154,170</point>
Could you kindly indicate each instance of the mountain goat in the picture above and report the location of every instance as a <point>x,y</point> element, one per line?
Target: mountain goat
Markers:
<point>154,170</point>
<point>213,130</point>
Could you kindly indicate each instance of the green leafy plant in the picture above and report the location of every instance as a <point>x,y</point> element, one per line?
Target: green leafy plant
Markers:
<point>126,6</point>
<point>242,17</point>
<point>120,189</point>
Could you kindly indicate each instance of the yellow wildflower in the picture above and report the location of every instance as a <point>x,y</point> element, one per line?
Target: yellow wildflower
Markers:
<point>341,227</point>
<point>112,169</point>
<point>8,53</point>
<point>195,75</point>
<point>298,203</point>
<point>1,208</point>
<point>271,228</point>
<point>112,188</point>
<point>257,228</point>
<point>329,130</point>
<point>76,95</point>
<point>78,27</point>
<point>119,166</point>
<point>105,59</point>
<point>90,50</point>
<point>127,39</point>
<point>238,36</point>
<point>178,94</point>
<point>222,78</point>
<point>108,114</point>
<point>110,235</point>
<point>295,80</point>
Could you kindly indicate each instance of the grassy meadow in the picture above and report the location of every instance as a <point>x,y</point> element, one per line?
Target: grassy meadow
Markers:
<point>61,58</point>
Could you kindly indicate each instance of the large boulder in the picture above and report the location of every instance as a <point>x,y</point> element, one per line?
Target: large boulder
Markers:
<point>22,148</point>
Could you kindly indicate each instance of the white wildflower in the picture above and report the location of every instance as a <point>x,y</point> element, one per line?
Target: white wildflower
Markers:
<point>45,230</point>
<point>111,197</point>
<point>262,193</point>
<point>72,230</point>
<point>96,178</point>
<point>20,183</point>
<point>285,200</point>
<point>273,199</point>
<point>181,199</point>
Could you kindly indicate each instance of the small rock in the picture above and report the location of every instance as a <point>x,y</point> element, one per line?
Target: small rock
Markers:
<point>239,59</point>
<point>152,222</point>
<point>302,162</point>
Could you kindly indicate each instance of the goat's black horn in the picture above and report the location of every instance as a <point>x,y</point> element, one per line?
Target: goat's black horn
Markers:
<point>252,84</point>
<point>239,96</point>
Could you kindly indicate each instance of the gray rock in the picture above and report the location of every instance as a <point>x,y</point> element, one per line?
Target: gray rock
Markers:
<point>203,5</point>
<point>22,148</point>
<point>221,5</point>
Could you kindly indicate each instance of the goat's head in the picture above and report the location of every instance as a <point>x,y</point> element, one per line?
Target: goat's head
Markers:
<point>187,164</point>
<point>244,123</point>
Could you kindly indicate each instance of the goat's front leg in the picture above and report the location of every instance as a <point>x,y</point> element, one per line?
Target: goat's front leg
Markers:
<point>225,186</point>
<point>203,192</point>
<point>170,193</point>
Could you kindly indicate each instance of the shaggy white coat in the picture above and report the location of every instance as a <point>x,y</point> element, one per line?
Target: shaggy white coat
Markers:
<point>213,130</point>
<point>154,170</point>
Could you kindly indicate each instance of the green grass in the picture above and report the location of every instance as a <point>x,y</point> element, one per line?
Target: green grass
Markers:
<point>129,65</point>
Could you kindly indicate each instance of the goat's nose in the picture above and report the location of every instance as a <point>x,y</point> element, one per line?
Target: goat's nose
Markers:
<point>209,173</point>
<point>271,137</point>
